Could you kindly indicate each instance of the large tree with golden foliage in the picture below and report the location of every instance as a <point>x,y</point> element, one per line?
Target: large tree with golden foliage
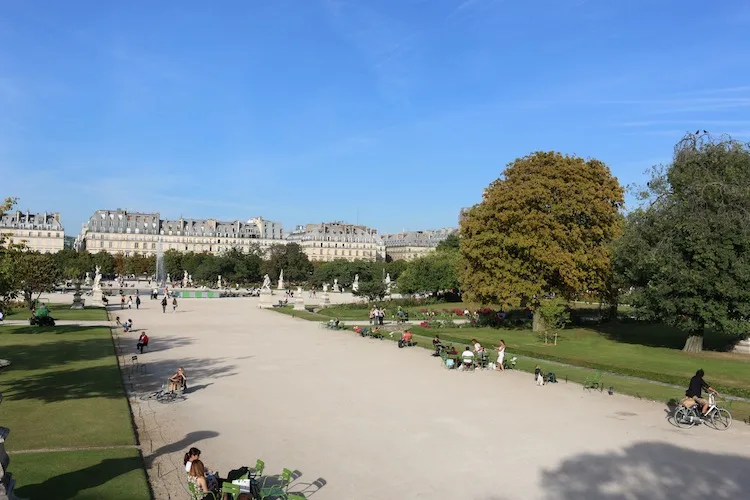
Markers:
<point>543,228</point>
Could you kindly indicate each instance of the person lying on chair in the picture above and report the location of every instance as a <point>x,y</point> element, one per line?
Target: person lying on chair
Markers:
<point>178,380</point>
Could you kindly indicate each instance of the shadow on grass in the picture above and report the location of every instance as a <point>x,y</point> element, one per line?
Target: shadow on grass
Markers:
<point>57,352</point>
<point>66,384</point>
<point>660,335</point>
<point>59,330</point>
<point>70,484</point>
<point>647,471</point>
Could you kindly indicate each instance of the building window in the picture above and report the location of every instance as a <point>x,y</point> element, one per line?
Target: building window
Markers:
<point>136,245</point>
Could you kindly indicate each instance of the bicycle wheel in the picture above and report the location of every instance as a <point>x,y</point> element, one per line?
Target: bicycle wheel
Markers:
<point>150,395</point>
<point>720,419</point>
<point>684,418</point>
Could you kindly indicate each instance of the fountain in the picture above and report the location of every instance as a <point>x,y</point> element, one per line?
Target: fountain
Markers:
<point>160,275</point>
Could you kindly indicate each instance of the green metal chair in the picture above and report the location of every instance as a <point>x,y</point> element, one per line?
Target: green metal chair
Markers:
<point>232,489</point>
<point>197,495</point>
<point>281,490</point>
<point>593,381</point>
<point>257,471</point>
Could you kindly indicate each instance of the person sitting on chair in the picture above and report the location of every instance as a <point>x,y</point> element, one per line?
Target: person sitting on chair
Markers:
<point>468,358</point>
<point>142,342</point>
<point>178,380</point>
<point>437,345</point>
<point>202,482</point>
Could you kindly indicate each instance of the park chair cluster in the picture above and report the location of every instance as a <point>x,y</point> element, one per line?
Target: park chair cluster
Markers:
<point>453,360</point>
<point>364,331</point>
<point>256,485</point>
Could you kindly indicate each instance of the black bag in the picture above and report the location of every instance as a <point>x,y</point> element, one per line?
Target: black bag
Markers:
<point>551,378</point>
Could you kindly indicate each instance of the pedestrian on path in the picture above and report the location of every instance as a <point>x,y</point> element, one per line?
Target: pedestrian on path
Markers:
<point>174,304</point>
<point>122,301</point>
<point>130,302</point>
<point>164,304</point>
<point>137,302</point>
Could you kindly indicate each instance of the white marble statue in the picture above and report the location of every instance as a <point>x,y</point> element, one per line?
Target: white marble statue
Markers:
<point>169,278</point>
<point>335,285</point>
<point>97,276</point>
<point>190,279</point>
<point>388,283</point>
<point>355,285</point>
<point>325,287</point>
<point>218,282</point>
<point>281,281</point>
<point>87,281</point>
<point>266,283</point>
<point>185,279</point>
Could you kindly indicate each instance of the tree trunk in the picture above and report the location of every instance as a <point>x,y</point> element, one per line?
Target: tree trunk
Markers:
<point>694,343</point>
<point>537,324</point>
<point>27,296</point>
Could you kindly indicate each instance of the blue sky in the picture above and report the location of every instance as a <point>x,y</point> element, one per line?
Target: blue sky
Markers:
<point>392,113</point>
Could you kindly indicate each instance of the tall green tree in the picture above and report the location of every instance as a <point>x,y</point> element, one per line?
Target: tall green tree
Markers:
<point>545,227</point>
<point>105,261</point>
<point>451,242</point>
<point>692,240</point>
<point>32,273</point>
<point>431,273</point>
<point>291,259</point>
<point>6,290</point>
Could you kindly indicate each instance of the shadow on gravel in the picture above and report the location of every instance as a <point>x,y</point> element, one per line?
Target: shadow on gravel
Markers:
<point>648,471</point>
<point>141,375</point>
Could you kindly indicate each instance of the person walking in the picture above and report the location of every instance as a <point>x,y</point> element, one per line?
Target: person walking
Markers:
<point>122,301</point>
<point>174,304</point>
<point>164,304</point>
<point>137,302</point>
<point>130,302</point>
<point>501,355</point>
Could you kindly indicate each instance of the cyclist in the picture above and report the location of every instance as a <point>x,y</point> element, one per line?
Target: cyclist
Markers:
<point>696,388</point>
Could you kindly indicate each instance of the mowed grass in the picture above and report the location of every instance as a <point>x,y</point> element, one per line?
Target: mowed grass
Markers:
<point>361,312</point>
<point>64,312</point>
<point>63,388</point>
<point>115,474</point>
<point>309,316</point>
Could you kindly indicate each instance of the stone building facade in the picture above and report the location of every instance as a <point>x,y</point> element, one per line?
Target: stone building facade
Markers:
<point>329,241</point>
<point>120,231</point>
<point>412,244</point>
<point>42,232</point>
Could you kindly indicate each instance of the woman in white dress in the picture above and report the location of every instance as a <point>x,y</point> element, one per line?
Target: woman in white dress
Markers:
<point>500,355</point>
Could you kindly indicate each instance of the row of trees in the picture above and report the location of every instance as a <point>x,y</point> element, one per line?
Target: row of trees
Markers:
<point>552,226</point>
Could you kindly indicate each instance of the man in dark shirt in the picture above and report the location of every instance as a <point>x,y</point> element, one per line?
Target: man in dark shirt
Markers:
<point>696,388</point>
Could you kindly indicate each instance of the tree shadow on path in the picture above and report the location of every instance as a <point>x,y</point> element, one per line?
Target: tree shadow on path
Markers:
<point>649,471</point>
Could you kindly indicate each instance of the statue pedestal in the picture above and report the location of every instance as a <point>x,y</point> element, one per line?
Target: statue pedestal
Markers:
<point>299,303</point>
<point>326,298</point>
<point>266,299</point>
<point>96,297</point>
<point>742,347</point>
<point>77,300</point>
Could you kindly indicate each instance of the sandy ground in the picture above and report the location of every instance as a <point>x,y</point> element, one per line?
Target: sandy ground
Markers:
<point>378,422</point>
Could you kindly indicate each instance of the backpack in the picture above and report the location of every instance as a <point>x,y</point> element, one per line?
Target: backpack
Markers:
<point>551,378</point>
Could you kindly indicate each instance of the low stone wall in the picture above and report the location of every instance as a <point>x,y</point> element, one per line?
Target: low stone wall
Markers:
<point>742,347</point>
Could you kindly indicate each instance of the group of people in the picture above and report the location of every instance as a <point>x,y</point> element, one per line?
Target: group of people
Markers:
<point>164,304</point>
<point>206,482</point>
<point>377,314</point>
<point>473,355</point>
<point>130,301</point>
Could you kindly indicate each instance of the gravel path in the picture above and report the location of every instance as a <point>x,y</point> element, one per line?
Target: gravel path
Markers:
<point>380,422</point>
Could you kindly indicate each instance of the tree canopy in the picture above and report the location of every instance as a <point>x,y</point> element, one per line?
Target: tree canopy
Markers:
<point>431,273</point>
<point>687,249</point>
<point>545,227</point>
<point>32,273</point>
<point>451,242</point>
<point>291,259</point>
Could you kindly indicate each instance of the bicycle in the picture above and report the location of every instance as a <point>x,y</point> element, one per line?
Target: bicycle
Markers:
<point>717,417</point>
<point>164,396</point>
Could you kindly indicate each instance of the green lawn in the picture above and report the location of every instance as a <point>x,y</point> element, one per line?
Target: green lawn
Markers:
<point>310,316</point>
<point>616,350</point>
<point>63,388</point>
<point>361,312</point>
<point>63,311</point>
<point>115,474</point>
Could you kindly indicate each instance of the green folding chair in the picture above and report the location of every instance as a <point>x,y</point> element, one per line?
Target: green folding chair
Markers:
<point>257,471</point>
<point>197,495</point>
<point>281,490</point>
<point>232,489</point>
